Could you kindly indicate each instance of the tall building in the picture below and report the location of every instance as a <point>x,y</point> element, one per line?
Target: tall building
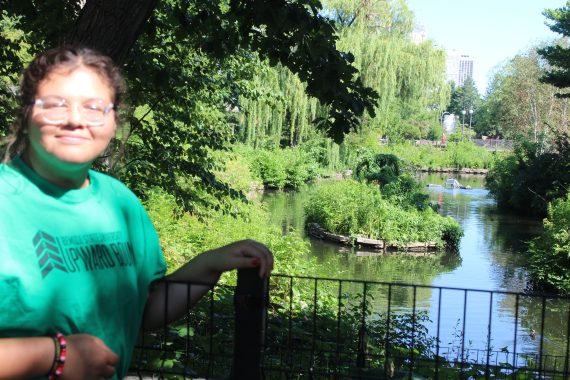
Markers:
<point>458,66</point>
<point>419,34</point>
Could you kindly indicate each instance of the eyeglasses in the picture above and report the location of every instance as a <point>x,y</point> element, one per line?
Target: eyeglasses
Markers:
<point>55,110</point>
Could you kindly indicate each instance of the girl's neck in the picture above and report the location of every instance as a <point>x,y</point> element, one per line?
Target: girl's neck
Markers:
<point>66,176</point>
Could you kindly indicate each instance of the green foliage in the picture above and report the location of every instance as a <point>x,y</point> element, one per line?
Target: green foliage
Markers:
<point>280,168</point>
<point>352,208</point>
<point>302,40</point>
<point>463,99</point>
<point>550,252</point>
<point>532,177</point>
<point>462,154</point>
<point>406,192</point>
<point>408,76</point>
<point>381,168</point>
<point>15,52</point>
<point>237,173</point>
<point>517,101</point>
<point>558,55</point>
<point>184,235</point>
<point>397,186</point>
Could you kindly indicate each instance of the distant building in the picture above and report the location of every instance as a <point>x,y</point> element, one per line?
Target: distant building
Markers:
<point>458,66</point>
<point>449,123</point>
<point>419,34</point>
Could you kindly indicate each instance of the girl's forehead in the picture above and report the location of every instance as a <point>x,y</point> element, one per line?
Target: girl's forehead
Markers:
<point>78,81</point>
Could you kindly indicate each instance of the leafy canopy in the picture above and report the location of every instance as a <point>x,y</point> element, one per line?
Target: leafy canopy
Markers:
<point>558,56</point>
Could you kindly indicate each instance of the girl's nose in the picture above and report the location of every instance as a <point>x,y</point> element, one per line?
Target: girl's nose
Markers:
<point>75,118</point>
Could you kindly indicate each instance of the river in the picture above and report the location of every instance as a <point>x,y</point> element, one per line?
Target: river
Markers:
<point>491,258</point>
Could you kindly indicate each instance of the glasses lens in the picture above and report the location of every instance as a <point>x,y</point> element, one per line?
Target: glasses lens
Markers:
<point>53,109</point>
<point>94,111</point>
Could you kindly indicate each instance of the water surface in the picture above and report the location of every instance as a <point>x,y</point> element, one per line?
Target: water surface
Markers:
<point>491,258</point>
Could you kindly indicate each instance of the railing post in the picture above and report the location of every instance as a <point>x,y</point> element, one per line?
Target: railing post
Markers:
<point>250,302</point>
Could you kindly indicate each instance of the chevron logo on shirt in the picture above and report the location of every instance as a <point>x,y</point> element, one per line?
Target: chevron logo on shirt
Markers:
<point>48,254</point>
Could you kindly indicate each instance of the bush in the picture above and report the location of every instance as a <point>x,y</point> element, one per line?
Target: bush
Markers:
<point>280,168</point>
<point>184,235</point>
<point>550,252</point>
<point>532,177</point>
<point>463,154</point>
<point>351,208</point>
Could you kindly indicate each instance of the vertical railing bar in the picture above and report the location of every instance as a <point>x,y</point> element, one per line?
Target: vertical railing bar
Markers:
<point>140,354</point>
<point>290,327</point>
<point>362,334</point>
<point>187,340</point>
<point>542,318</point>
<point>437,343</point>
<point>164,342</point>
<point>413,332</point>
<point>265,327</point>
<point>249,304</point>
<point>567,346</point>
<point>489,329</point>
<point>463,332</point>
<point>211,342</point>
<point>314,334</point>
<point>517,301</point>
<point>338,318</point>
<point>387,340</point>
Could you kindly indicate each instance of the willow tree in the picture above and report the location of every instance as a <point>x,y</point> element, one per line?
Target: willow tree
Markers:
<point>280,113</point>
<point>410,77</point>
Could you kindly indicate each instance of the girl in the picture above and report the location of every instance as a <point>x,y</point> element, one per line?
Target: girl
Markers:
<point>79,256</point>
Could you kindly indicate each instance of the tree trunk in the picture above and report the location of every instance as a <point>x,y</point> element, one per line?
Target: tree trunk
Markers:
<point>111,26</point>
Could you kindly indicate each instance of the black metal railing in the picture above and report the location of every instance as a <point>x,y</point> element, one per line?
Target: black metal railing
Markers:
<point>323,328</point>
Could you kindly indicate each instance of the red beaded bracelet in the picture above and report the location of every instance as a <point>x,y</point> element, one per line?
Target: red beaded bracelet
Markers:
<point>60,356</point>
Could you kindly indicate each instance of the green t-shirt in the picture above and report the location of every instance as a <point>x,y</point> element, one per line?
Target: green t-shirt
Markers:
<point>74,261</point>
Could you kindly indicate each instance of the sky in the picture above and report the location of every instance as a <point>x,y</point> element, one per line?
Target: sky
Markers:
<point>490,31</point>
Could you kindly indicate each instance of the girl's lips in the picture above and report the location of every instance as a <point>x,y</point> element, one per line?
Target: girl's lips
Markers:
<point>73,139</point>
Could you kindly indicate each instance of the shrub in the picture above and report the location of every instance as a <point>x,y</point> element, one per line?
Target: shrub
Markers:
<point>351,208</point>
<point>184,235</point>
<point>280,168</point>
<point>532,177</point>
<point>550,252</point>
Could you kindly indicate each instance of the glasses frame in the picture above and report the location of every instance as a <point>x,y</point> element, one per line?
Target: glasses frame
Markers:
<point>39,102</point>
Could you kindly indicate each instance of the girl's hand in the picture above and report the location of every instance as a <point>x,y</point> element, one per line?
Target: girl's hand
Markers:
<point>238,255</point>
<point>88,358</point>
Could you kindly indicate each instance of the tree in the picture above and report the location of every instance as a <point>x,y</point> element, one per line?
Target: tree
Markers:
<point>518,103</point>
<point>463,99</point>
<point>292,33</point>
<point>409,77</point>
<point>186,63</point>
<point>558,55</point>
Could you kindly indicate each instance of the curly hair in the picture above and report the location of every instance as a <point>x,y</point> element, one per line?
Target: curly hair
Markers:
<point>67,57</point>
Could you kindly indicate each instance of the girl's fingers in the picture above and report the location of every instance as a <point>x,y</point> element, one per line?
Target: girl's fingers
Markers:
<point>258,256</point>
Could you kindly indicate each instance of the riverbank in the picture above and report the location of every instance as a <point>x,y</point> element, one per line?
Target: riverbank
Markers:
<point>373,246</point>
<point>455,170</point>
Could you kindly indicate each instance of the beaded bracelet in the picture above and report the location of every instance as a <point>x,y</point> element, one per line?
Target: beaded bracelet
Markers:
<point>60,356</point>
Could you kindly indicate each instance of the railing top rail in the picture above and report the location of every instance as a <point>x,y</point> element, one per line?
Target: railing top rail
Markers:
<point>402,284</point>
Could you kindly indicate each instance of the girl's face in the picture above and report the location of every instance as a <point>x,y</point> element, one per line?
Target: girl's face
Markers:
<point>61,129</point>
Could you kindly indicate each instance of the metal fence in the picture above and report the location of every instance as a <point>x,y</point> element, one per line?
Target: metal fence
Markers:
<point>489,144</point>
<point>323,328</point>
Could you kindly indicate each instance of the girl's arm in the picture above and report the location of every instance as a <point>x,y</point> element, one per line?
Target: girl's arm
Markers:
<point>87,358</point>
<point>205,269</point>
